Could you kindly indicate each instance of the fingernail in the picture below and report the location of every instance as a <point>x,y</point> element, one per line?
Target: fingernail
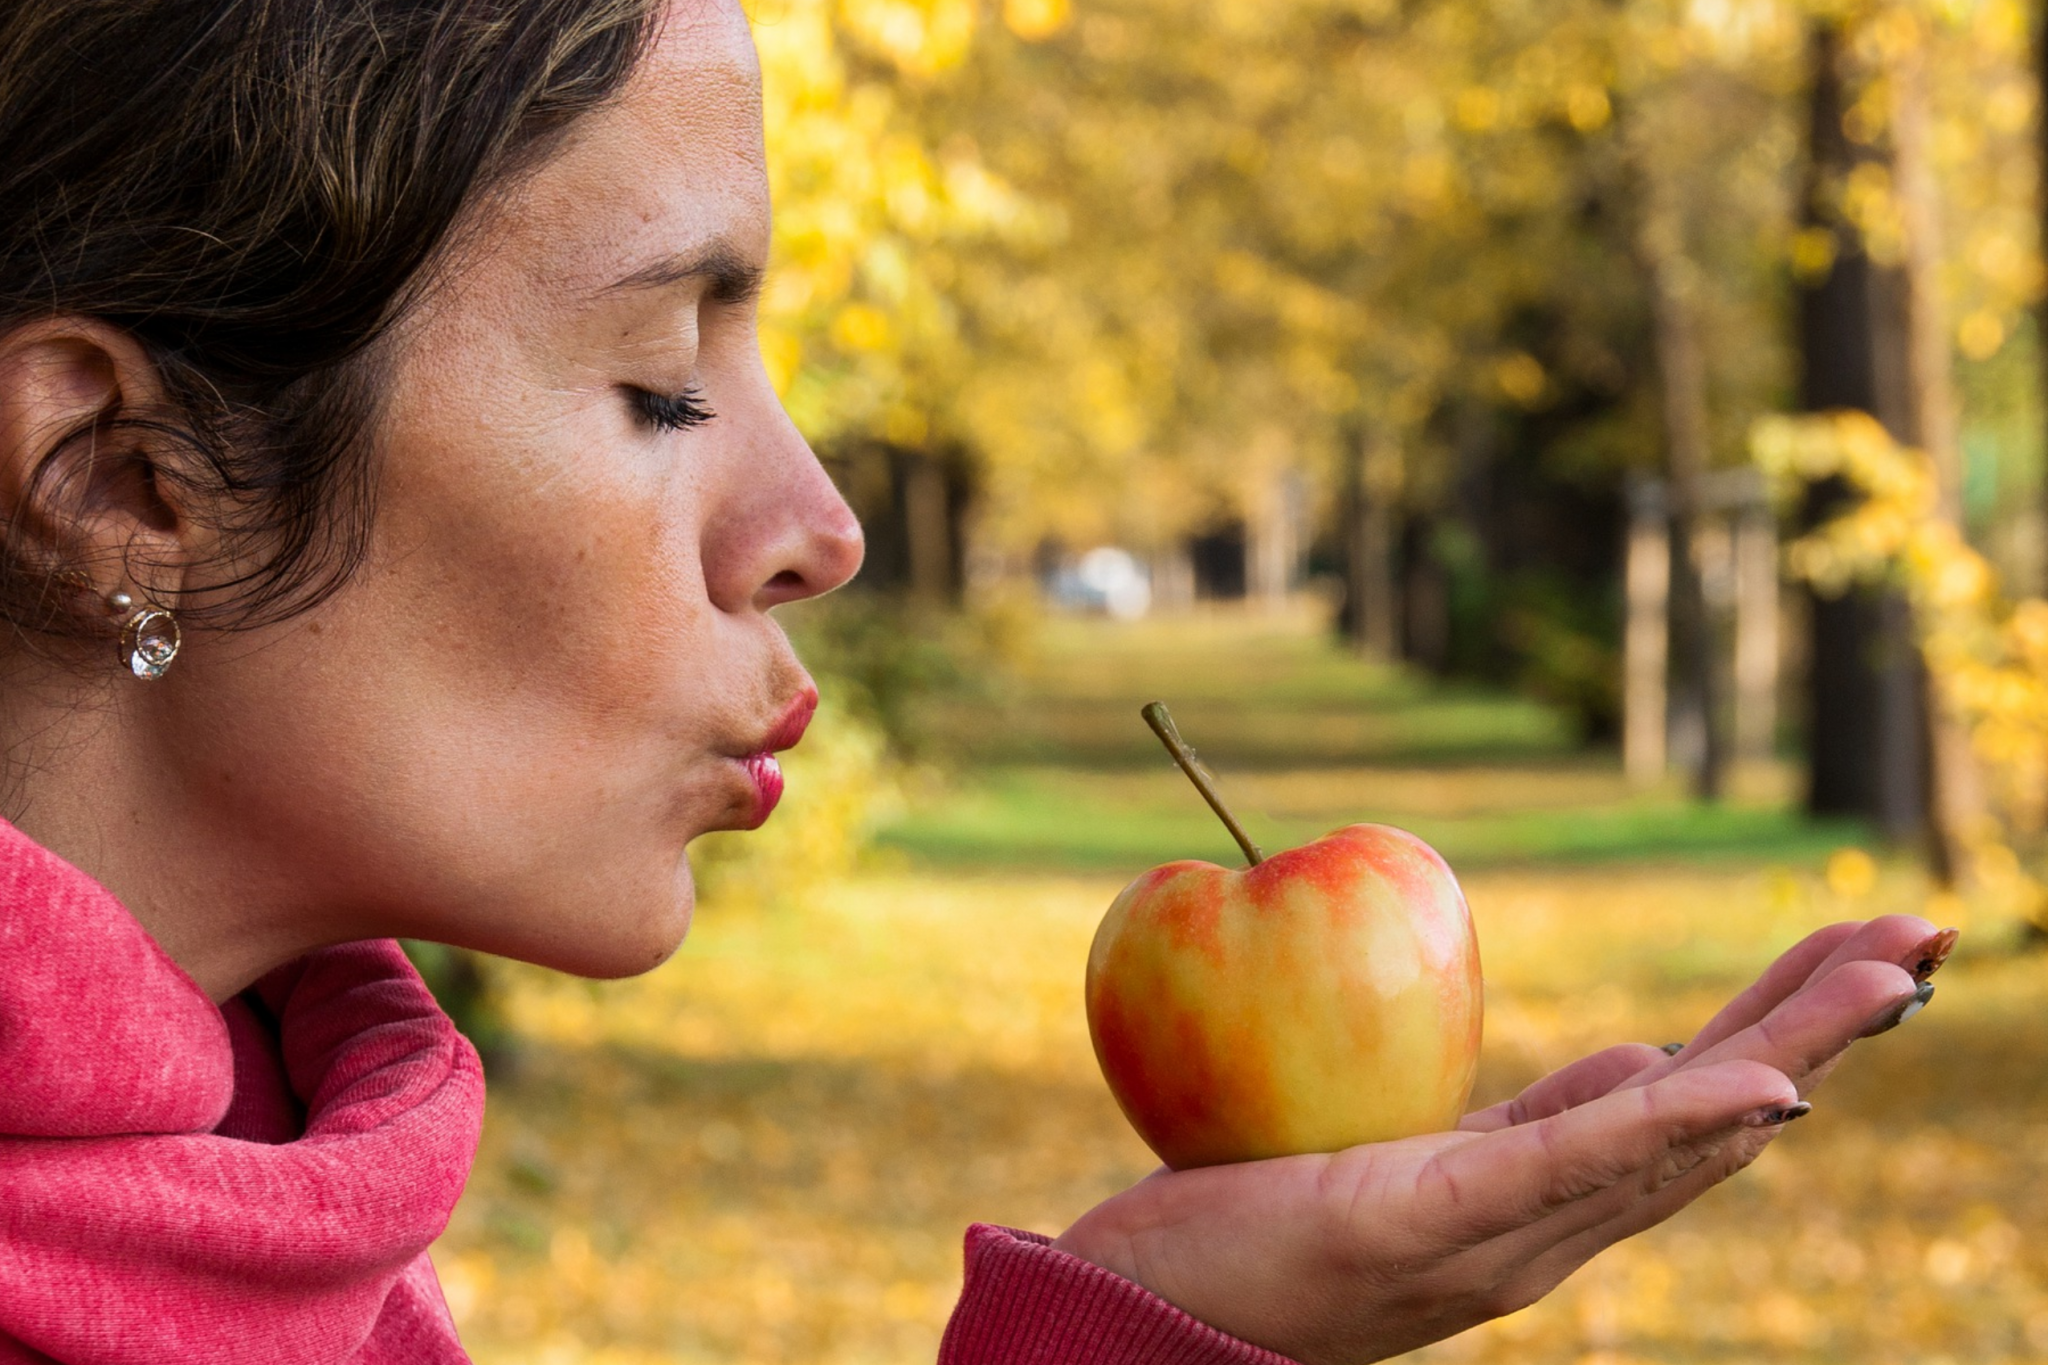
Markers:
<point>1778,1114</point>
<point>1926,959</point>
<point>1898,1014</point>
<point>1673,1049</point>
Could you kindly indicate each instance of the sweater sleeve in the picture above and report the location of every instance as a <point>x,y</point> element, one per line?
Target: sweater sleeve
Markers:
<point>1025,1303</point>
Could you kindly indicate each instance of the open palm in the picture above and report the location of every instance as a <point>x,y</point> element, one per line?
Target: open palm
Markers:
<point>1362,1254</point>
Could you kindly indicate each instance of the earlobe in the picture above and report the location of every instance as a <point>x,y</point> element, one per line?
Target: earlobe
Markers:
<point>79,489</point>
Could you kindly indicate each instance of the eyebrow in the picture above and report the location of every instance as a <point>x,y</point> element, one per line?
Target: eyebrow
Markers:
<point>732,277</point>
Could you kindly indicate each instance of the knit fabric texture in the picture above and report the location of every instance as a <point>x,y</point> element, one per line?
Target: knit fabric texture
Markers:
<point>183,1183</point>
<point>1026,1303</point>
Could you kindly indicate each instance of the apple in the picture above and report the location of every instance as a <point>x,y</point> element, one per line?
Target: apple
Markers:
<point>1323,997</point>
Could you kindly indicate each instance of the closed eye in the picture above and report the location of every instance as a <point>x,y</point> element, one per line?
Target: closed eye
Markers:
<point>672,412</point>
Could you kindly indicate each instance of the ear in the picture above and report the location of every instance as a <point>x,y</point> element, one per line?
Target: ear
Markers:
<point>80,489</point>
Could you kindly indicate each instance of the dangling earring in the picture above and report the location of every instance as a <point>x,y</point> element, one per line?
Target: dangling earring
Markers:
<point>149,637</point>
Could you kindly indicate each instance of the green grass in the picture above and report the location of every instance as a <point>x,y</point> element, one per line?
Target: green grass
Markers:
<point>1252,693</point>
<point>1056,771</point>
<point>1046,818</point>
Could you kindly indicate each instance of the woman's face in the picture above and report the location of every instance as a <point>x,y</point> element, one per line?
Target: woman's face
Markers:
<point>557,667</point>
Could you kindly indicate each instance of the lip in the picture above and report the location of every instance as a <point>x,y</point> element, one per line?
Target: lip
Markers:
<point>766,774</point>
<point>761,766</point>
<point>796,718</point>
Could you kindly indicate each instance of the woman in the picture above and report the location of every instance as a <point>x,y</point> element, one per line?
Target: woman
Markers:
<point>395,507</point>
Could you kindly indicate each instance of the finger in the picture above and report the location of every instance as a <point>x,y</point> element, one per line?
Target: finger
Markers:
<point>1792,970</point>
<point>1586,1079</point>
<point>1541,1258</point>
<point>1627,1207</point>
<point>1899,939</point>
<point>1804,1035</point>
<point>1802,1038</point>
<point>1511,1178</point>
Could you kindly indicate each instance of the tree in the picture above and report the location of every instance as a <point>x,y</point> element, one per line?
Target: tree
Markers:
<point>1866,725</point>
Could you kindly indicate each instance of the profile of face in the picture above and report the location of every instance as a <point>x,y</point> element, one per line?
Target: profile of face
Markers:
<point>557,666</point>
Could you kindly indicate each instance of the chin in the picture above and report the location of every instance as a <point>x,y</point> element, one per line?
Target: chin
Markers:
<point>615,944</point>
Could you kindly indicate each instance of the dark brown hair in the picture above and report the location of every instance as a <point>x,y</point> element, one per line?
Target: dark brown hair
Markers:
<point>256,190</point>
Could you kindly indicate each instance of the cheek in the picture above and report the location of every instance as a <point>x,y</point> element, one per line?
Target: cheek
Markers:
<point>572,588</point>
<point>499,729</point>
<point>522,678</point>
<point>603,611</point>
<point>545,549</point>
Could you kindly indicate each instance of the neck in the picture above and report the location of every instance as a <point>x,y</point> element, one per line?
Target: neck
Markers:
<point>94,779</point>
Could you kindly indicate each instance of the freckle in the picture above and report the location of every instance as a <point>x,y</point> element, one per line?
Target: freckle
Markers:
<point>314,628</point>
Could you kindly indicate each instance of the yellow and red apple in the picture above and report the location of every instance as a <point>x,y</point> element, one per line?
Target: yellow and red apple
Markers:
<point>1324,997</point>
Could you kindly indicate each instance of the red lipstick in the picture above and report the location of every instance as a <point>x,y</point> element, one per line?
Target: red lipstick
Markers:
<point>762,768</point>
<point>766,775</point>
<point>795,720</point>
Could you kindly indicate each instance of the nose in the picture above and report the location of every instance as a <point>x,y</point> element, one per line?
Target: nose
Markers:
<point>826,554</point>
<point>784,533</point>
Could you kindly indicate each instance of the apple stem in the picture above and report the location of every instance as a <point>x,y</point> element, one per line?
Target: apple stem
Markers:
<point>1156,716</point>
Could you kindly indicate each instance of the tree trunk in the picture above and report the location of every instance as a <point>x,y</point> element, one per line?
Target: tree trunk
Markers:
<point>1351,537</point>
<point>1930,387</point>
<point>1956,796</point>
<point>1866,713</point>
<point>1425,598</point>
<point>2041,211</point>
<point>1756,632</point>
<point>1372,611</point>
<point>1646,641</point>
<point>1682,375</point>
<point>928,528</point>
<point>1271,542</point>
<point>1173,579</point>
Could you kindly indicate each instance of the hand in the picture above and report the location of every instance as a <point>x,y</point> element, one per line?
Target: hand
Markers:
<point>1358,1255</point>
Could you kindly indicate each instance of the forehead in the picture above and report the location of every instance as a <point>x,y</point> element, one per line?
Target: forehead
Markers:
<point>674,162</point>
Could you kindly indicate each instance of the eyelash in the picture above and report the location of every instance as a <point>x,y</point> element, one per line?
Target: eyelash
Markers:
<point>673,412</point>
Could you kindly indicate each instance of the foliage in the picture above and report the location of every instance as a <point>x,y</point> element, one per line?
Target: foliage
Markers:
<point>857,322</point>
<point>1988,654</point>
<point>1139,261</point>
<point>1136,264</point>
<point>1984,104</point>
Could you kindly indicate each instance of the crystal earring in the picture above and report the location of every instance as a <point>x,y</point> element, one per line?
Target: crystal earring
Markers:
<point>149,637</point>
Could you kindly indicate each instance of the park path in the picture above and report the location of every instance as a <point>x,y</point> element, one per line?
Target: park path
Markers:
<point>766,1151</point>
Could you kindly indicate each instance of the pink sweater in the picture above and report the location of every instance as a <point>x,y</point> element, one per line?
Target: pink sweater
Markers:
<point>258,1184</point>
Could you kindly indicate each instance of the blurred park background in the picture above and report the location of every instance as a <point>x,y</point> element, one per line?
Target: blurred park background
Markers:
<point>1603,436</point>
